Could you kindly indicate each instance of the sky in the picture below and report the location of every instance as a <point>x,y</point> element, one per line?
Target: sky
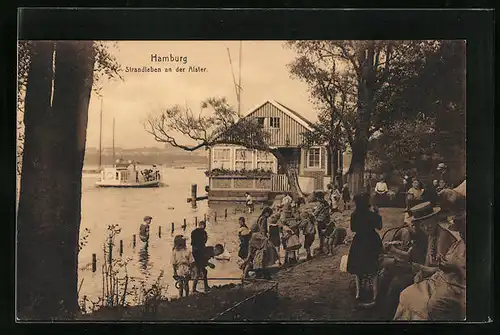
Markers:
<point>264,75</point>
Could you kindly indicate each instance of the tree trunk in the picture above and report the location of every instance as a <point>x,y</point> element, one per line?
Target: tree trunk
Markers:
<point>357,168</point>
<point>49,206</point>
<point>364,110</point>
<point>334,162</point>
<point>291,174</point>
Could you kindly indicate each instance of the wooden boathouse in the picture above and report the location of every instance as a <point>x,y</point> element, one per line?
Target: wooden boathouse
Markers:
<point>234,170</point>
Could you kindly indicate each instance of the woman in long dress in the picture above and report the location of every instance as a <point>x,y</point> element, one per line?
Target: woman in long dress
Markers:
<point>363,259</point>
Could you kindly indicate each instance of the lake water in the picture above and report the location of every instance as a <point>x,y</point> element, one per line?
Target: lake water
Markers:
<point>127,207</point>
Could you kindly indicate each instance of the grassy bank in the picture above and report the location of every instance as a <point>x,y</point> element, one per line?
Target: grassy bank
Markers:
<point>310,291</point>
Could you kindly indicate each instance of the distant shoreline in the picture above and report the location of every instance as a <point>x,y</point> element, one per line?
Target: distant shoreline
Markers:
<point>92,168</point>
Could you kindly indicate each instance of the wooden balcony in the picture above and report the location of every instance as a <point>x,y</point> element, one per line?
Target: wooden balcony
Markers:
<point>279,183</point>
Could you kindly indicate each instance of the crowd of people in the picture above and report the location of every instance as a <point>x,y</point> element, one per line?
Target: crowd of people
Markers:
<point>282,225</point>
<point>418,275</point>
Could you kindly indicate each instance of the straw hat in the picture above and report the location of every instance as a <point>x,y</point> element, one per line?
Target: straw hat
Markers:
<point>423,211</point>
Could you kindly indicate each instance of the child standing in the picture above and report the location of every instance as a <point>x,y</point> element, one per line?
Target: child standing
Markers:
<point>144,229</point>
<point>322,216</point>
<point>274,233</point>
<point>334,236</point>
<point>244,236</point>
<point>308,229</point>
<point>335,198</point>
<point>182,262</point>
<point>292,244</point>
<point>249,202</point>
<point>346,196</point>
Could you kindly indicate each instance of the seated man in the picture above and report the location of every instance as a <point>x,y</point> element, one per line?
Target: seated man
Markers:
<point>408,246</point>
<point>442,295</point>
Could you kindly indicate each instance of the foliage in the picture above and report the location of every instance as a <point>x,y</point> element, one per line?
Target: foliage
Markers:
<point>243,172</point>
<point>433,101</point>
<point>106,67</point>
<point>83,239</point>
<point>150,297</point>
<point>216,123</point>
<point>118,288</point>
<point>406,146</point>
<point>372,87</point>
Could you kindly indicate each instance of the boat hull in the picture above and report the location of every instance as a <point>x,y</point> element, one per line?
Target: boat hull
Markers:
<point>148,184</point>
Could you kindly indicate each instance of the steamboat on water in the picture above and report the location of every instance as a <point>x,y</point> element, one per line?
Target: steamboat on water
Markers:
<point>127,175</point>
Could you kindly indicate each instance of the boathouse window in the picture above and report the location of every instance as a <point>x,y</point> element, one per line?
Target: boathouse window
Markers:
<point>314,158</point>
<point>222,158</point>
<point>243,159</point>
<point>117,176</point>
<point>260,121</point>
<point>274,122</point>
<point>265,161</point>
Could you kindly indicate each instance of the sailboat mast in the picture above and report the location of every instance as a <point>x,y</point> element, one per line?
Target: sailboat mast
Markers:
<point>100,139</point>
<point>113,141</point>
<point>239,80</point>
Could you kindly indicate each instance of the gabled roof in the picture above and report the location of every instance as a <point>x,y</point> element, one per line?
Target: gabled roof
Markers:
<point>290,112</point>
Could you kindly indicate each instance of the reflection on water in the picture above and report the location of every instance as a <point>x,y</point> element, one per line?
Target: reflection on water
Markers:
<point>167,205</point>
<point>127,208</point>
<point>144,258</point>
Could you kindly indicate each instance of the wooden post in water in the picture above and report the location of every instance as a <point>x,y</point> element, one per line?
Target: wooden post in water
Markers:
<point>215,216</point>
<point>196,221</point>
<point>121,247</point>
<point>205,217</point>
<point>159,231</point>
<point>194,189</point>
<point>133,240</point>
<point>184,226</point>
<point>94,262</point>
<point>173,228</point>
<point>225,213</point>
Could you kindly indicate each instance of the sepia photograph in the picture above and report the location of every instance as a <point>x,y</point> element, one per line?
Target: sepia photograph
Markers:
<point>241,180</point>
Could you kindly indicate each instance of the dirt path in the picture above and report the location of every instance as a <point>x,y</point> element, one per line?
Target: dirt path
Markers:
<point>318,291</point>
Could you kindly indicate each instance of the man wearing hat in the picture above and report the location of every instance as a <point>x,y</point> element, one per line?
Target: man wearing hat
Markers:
<point>442,295</point>
<point>443,171</point>
<point>144,229</point>
<point>439,238</point>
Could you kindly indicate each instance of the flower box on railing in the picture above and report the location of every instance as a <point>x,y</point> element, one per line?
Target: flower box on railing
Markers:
<point>239,173</point>
<point>240,182</point>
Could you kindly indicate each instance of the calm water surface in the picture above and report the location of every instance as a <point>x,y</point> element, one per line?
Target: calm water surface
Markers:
<point>127,207</point>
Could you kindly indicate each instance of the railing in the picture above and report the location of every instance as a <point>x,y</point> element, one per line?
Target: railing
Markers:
<point>254,307</point>
<point>279,183</point>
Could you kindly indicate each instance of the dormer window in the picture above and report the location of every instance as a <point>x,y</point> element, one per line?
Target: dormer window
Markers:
<point>274,122</point>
